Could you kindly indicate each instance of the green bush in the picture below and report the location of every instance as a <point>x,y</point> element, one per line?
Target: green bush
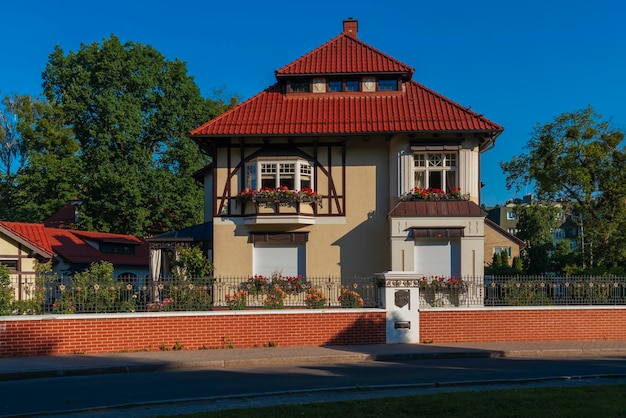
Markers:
<point>6,291</point>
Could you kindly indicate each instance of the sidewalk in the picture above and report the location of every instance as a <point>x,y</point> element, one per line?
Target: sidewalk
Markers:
<point>13,368</point>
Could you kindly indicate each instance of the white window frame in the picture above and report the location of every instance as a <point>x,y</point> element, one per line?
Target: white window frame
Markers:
<point>511,216</point>
<point>297,170</point>
<point>425,163</point>
<point>499,250</point>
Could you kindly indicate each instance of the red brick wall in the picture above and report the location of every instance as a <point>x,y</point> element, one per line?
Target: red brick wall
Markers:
<point>25,336</point>
<point>489,325</point>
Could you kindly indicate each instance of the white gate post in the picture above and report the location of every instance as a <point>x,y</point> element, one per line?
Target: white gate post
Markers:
<point>400,298</point>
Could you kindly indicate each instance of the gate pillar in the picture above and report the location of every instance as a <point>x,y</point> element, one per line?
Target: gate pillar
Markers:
<point>400,298</point>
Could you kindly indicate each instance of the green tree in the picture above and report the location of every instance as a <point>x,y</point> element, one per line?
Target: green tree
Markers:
<point>130,110</point>
<point>534,226</point>
<point>49,176</point>
<point>580,158</point>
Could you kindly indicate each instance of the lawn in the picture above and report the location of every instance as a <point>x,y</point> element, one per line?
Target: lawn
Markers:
<point>581,401</point>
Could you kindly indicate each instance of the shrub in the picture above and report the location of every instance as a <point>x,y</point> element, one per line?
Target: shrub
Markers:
<point>315,299</point>
<point>6,291</point>
<point>238,301</point>
<point>350,299</point>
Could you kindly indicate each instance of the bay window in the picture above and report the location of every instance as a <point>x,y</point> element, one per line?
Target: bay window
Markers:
<point>294,174</point>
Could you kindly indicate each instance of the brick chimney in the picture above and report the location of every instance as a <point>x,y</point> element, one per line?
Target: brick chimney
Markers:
<point>350,27</point>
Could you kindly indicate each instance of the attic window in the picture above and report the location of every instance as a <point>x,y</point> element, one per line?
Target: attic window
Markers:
<point>335,85</point>
<point>110,248</point>
<point>353,85</point>
<point>300,86</point>
<point>387,84</point>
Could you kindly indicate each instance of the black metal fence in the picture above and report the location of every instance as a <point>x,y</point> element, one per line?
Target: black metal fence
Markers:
<point>559,291</point>
<point>37,295</point>
<point>41,295</point>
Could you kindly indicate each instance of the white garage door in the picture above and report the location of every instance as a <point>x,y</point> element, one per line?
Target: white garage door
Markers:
<point>437,257</point>
<point>287,259</point>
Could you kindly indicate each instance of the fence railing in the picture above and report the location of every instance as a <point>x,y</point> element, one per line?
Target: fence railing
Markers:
<point>36,295</point>
<point>561,291</point>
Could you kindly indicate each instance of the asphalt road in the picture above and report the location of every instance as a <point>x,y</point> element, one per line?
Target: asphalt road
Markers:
<point>319,382</point>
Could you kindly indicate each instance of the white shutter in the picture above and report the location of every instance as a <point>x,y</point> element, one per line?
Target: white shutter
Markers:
<point>287,259</point>
<point>435,257</point>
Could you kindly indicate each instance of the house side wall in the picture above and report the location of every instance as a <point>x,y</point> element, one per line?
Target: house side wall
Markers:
<point>494,239</point>
<point>12,250</point>
<point>472,247</point>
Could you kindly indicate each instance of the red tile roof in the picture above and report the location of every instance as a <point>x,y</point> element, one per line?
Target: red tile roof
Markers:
<point>433,208</point>
<point>417,109</point>
<point>73,246</point>
<point>344,54</point>
<point>274,113</point>
<point>33,235</point>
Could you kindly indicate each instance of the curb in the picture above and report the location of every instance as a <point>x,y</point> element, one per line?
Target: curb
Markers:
<point>299,360</point>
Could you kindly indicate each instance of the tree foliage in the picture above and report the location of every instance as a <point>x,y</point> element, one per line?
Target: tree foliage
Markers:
<point>579,158</point>
<point>129,110</point>
<point>535,224</point>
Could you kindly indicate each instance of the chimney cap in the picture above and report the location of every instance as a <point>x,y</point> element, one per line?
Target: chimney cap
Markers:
<point>351,27</point>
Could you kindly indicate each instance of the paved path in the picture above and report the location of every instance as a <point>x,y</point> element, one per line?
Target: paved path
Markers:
<point>12,368</point>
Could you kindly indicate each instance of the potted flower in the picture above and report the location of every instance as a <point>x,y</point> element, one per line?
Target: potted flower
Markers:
<point>273,198</point>
<point>418,193</point>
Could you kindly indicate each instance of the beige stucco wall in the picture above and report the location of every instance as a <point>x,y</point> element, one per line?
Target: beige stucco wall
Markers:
<point>355,244</point>
<point>12,250</point>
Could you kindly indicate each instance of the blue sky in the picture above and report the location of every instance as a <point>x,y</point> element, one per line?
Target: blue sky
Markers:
<point>518,63</point>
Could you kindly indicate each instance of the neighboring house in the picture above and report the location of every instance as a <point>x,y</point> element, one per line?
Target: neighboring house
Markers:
<point>347,127</point>
<point>567,230</point>
<point>498,240</point>
<point>21,244</point>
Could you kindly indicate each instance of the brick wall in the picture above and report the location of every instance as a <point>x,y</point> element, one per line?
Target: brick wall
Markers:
<point>509,324</point>
<point>70,334</point>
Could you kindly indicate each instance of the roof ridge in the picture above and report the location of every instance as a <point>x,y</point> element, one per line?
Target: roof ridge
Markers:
<point>343,36</point>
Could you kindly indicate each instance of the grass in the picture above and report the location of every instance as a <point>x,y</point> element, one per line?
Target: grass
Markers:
<point>580,401</point>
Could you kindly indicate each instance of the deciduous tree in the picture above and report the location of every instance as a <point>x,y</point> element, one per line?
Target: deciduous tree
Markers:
<point>580,158</point>
<point>130,110</point>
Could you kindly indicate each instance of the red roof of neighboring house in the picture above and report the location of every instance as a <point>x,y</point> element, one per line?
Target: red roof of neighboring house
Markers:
<point>427,208</point>
<point>64,217</point>
<point>74,246</point>
<point>33,235</point>
<point>416,109</point>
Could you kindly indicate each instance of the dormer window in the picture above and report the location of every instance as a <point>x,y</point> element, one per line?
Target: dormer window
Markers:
<point>115,248</point>
<point>353,85</point>
<point>387,84</point>
<point>335,85</point>
<point>300,86</point>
